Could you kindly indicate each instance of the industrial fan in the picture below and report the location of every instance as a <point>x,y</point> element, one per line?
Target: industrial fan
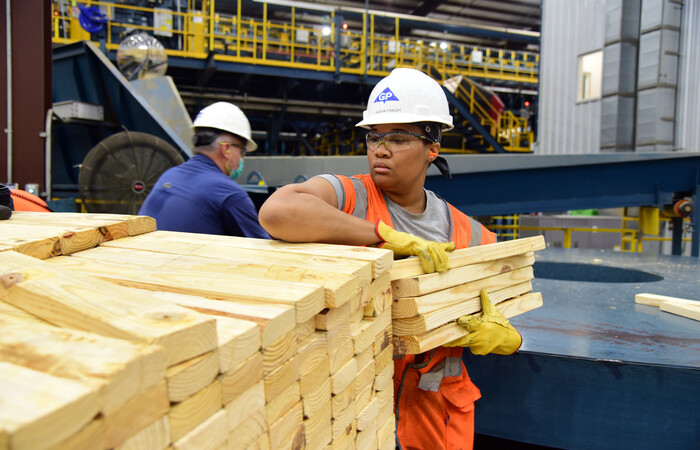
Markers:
<point>119,172</point>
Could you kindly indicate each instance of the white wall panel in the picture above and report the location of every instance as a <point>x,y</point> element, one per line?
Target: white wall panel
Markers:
<point>688,100</point>
<point>570,28</point>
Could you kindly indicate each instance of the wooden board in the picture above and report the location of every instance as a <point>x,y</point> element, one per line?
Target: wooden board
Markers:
<point>431,320</point>
<point>679,306</point>
<point>238,380</point>
<point>380,259</point>
<point>411,267</point>
<point>43,235</point>
<point>155,436</point>
<point>413,306</point>
<point>307,299</point>
<point>209,435</point>
<point>138,413</point>
<point>75,300</point>
<point>433,282</point>
<point>238,340</point>
<point>452,331</point>
<point>116,369</point>
<point>189,377</point>
<point>186,416</point>
<point>38,411</point>
<point>338,287</point>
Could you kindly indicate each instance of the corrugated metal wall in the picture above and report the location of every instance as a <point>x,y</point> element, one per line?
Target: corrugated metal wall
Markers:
<point>569,30</point>
<point>688,101</point>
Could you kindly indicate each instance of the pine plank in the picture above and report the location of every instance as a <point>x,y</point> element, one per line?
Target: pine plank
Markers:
<point>363,335</point>
<point>452,331</point>
<point>191,376</point>
<point>305,329</point>
<point>411,267</point>
<point>429,321</point>
<point>136,414</point>
<point>360,262</point>
<point>340,356</point>
<point>246,406</point>
<point>238,380</point>
<point>208,435</point>
<point>89,438</point>
<point>343,400</point>
<point>379,303</point>
<point>307,299</point>
<point>338,287</point>
<point>135,225</point>
<point>657,300</point>
<point>365,377</point>
<point>344,377</point>
<point>433,282</point>
<point>12,314</point>
<point>364,358</point>
<point>280,405</point>
<point>314,376</point>
<point>383,339</point>
<point>246,434</point>
<point>385,433</point>
<point>155,436</point>
<point>413,306</point>
<point>367,416</point>
<point>329,318</point>
<point>386,405</point>
<point>281,378</point>
<point>367,437</point>
<point>313,401</point>
<point>312,351</point>
<point>116,369</point>
<point>287,428</point>
<point>273,320</point>
<point>317,428</point>
<point>384,359</point>
<point>238,341</point>
<point>681,309</point>
<point>75,300</point>
<point>339,336</point>
<point>279,352</point>
<point>384,378</point>
<point>38,411</point>
<point>187,415</point>
<point>362,398</point>
<point>344,438</point>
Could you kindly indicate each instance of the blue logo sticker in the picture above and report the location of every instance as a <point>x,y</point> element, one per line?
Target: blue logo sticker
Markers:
<point>386,96</point>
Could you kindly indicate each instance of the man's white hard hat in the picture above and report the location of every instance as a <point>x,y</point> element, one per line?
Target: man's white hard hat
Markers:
<point>226,117</point>
<point>407,96</point>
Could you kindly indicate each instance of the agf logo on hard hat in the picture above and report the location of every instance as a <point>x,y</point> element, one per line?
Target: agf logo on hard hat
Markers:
<point>386,96</point>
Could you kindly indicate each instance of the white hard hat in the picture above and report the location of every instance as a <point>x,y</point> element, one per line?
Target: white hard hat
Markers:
<point>407,96</point>
<point>226,117</point>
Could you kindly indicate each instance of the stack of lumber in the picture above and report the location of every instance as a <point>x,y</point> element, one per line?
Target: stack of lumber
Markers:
<point>674,305</point>
<point>180,340</point>
<point>426,306</point>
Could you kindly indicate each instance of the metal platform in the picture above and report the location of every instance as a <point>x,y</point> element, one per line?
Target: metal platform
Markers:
<point>597,370</point>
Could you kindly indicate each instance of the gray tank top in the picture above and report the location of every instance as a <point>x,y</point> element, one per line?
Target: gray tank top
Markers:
<point>434,224</point>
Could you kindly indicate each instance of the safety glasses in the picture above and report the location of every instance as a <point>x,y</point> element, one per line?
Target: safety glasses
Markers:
<point>394,140</point>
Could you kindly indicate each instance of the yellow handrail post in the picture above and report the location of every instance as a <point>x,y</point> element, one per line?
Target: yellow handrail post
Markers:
<point>567,238</point>
<point>293,35</point>
<point>238,30</point>
<point>211,25</point>
<point>363,44</point>
<point>265,30</point>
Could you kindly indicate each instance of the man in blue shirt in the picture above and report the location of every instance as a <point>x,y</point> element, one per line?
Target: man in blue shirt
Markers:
<point>201,196</point>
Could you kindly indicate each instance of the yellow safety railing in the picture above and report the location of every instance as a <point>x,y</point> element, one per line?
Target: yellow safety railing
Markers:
<point>631,239</point>
<point>511,131</point>
<point>295,43</point>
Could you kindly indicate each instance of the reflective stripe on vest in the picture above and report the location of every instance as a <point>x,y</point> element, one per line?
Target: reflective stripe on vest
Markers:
<point>451,366</point>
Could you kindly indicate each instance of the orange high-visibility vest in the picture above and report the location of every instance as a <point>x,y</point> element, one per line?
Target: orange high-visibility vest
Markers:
<point>434,396</point>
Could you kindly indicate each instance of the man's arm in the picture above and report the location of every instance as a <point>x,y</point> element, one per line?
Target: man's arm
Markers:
<point>308,212</point>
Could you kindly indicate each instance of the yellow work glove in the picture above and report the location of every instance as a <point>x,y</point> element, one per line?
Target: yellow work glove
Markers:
<point>490,333</point>
<point>432,255</point>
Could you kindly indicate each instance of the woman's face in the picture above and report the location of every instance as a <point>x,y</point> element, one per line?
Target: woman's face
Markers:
<point>398,158</point>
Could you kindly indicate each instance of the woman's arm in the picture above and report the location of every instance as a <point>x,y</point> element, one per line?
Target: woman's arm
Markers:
<point>308,212</point>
